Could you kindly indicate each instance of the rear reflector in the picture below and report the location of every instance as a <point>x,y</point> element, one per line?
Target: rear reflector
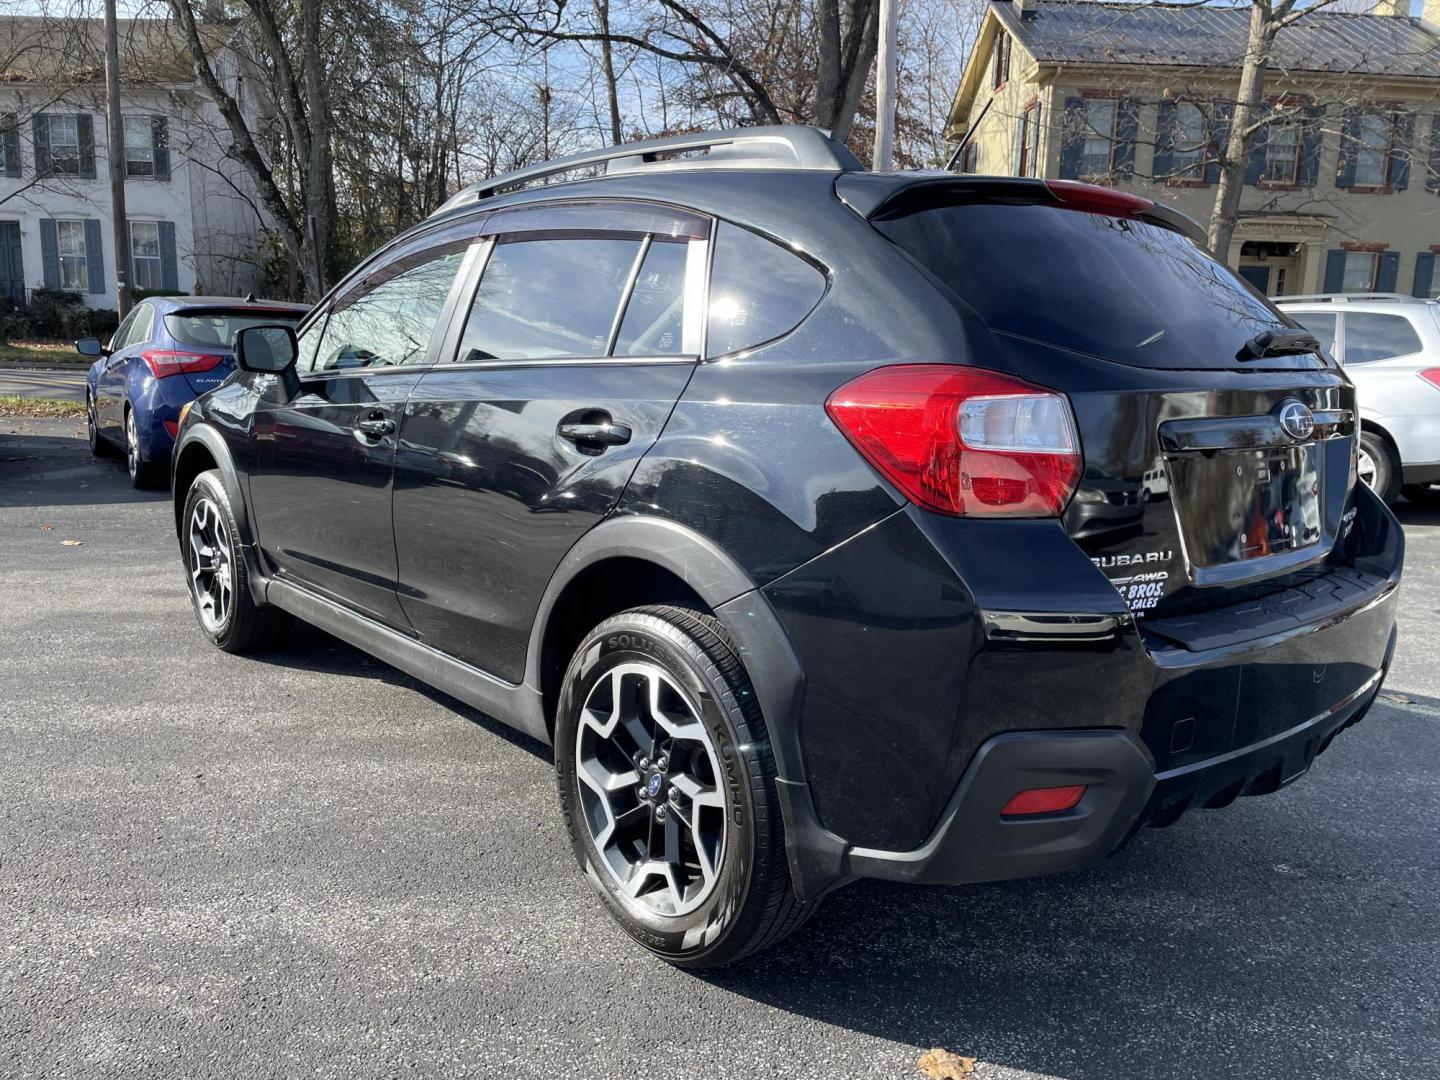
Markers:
<point>171,427</point>
<point>1432,376</point>
<point>1043,800</point>
<point>166,362</point>
<point>963,440</point>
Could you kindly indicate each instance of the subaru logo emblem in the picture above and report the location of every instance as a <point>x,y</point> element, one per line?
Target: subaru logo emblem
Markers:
<point>653,787</point>
<point>1297,420</point>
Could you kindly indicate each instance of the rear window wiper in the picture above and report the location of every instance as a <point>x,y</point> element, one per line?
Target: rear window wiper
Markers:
<point>1281,343</point>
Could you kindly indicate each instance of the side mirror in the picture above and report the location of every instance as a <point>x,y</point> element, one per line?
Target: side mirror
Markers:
<point>90,346</point>
<point>270,350</point>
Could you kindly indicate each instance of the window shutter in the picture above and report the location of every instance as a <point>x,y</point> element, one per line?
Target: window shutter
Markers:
<point>49,253</point>
<point>1127,122</point>
<point>40,126</point>
<point>1349,139</point>
<point>1400,155</point>
<point>86,124</point>
<point>169,268</point>
<point>160,143</point>
<point>94,257</point>
<point>1424,273</point>
<point>1255,163</point>
<point>1164,139</point>
<point>1072,138</point>
<point>11,138</point>
<point>1312,139</point>
<point>1221,113</point>
<point>1389,271</point>
<point>1432,175</point>
<point>1334,271</point>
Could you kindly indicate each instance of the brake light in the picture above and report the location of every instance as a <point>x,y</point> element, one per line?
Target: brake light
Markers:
<point>1093,199</point>
<point>1432,376</point>
<point>1044,800</point>
<point>963,441</point>
<point>166,362</point>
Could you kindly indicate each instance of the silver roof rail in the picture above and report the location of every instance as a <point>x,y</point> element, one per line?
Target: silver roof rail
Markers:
<point>1345,298</point>
<point>786,146</point>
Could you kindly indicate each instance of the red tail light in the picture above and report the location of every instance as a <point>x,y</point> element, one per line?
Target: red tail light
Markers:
<point>1432,376</point>
<point>165,362</point>
<point>1093,199</point>
<point>1044,800</point>
<point>963,441</point>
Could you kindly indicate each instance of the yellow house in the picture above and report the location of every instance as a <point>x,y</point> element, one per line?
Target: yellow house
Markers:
<point>1342,187</point>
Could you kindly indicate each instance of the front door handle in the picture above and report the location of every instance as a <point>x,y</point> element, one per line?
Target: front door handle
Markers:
<point>375,427</point>
<point>598,435</point>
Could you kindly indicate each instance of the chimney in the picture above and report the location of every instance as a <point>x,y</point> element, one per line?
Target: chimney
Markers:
<point>1026,8</point>
<point>1430,16</point>
<point>1392,8</point>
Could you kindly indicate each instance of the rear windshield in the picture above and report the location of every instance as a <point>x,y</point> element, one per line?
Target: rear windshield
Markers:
<point>1119,288</point>
<point>217,328</point>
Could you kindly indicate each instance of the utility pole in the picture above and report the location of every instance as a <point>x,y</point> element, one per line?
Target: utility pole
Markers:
<point>115,155</point>
<point>884,88</point>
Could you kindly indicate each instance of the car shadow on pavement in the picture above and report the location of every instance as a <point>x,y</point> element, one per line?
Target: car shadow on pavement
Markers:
<point>48,463</point>
<point>1260,940</point>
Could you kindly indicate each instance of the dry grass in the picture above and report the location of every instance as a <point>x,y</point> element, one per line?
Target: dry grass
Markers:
<point>11,405</point>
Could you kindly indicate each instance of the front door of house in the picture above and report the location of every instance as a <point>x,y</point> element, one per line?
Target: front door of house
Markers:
<point>12,269</point>
<point>1257,275</point>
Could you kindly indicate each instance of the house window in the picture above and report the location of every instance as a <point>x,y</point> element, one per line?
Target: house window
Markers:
<point>970,158</point>
<point>139,146</point>
<point>10,144</point>
<point>1434,278</point>
<point>1374,143</point>
<point>1282,154</point>
<point>1361,268</point>
<point>1098,154</point>
<point>1189,140</point>
<point>1001,73</point>
<point>146,270</point>
<point>1029,141</point>
<point>70,246</point>
<point>64,131</point>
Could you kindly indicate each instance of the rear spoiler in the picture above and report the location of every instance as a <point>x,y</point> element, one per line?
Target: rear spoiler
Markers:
<point>873,195</point>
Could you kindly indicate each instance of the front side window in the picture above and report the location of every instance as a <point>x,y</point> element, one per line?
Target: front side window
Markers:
<point>64,131</point>
<point>139,146</point>
<point>146,270</point>
<point>1375,140</point>
<point>1370,336</point>
<point>548,298</point>
<point>388,322</point>
<point>1360,270</point>
<point>1098,155</point>
<point>1189,140</point>
<point>70,244</point>
<point>1282,154</point>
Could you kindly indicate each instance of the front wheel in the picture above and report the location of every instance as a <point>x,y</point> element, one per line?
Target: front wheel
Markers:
<point>98,446</point>
<point>216,573</point>
<point>667,783</point>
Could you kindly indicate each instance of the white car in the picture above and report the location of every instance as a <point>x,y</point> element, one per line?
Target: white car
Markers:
<point>1390,346</point>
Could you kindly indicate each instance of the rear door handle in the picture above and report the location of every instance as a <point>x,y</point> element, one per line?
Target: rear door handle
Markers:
<point>607,434</point>
<point>375,427</point>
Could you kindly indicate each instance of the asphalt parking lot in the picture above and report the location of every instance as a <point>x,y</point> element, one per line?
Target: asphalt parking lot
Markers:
<point>304,863</point>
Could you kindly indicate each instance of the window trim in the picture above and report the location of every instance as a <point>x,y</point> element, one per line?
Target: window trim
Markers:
<point>158,260</point>
<point>1000,70</point>
<point>84,255</point>
<point>1090,130</point>
<point>1374,272</point>
<point>1297,126</point>
<point>1391,117</point>
<point>79,170</point>
<point>149,146</point>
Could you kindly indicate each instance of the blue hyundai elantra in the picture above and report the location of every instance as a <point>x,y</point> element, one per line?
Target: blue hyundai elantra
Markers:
<point>168,351</point>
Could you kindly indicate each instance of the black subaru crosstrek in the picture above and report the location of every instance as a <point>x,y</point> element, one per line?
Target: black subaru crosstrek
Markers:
<point>829,524</point>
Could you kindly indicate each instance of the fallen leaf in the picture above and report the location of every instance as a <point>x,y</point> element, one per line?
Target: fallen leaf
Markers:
<point>1399,699</point>
<point>46,527</point>
<point>943,1065</point>
<point>71,543</point>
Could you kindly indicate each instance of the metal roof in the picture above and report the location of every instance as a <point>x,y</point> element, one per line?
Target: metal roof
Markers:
<point>1089,32</point>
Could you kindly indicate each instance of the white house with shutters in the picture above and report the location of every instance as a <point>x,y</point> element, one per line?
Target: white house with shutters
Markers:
<point>194,224</point>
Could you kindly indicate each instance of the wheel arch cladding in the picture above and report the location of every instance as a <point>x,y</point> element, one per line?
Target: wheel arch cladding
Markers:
<point>202,449</point>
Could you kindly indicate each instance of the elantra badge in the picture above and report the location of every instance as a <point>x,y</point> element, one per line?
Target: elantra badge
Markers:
<point>1297,420</point>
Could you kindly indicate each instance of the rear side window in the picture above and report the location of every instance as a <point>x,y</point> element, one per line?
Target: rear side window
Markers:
<point>1117,288</point>
<point>548,298</point>
<point>1370,336</point>
<point>1321,324</point>
<point>655,316</point>
<point>758,291</point>
<point>218,329</point>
